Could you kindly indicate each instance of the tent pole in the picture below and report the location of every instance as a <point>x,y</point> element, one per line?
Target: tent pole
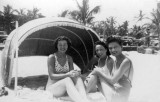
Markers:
<point>16,69</point>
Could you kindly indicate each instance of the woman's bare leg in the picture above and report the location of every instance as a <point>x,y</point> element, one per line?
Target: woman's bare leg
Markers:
<point>66,85</point>
<point>91,83</point>
<point>107,90</point>
<point>80,86</point>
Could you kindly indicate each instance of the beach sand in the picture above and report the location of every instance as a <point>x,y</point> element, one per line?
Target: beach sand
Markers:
<point>146,80</point>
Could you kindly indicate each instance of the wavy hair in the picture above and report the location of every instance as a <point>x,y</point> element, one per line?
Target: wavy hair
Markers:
<point>111,39</point>
<point>60,38</point>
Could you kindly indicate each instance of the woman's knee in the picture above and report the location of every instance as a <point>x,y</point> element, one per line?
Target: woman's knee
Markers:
<point>68,80</point>
<point>56,90</point>
<point>91,83</point>
<point>94,77</point>
<point>91,78</point>
<point>79,79</point>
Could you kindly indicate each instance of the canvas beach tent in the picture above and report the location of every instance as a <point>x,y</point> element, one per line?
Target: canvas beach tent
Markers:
<point>36,38</point>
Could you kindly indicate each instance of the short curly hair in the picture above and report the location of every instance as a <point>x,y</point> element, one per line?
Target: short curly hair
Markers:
<point>116,39</point>
<point>60,38</point>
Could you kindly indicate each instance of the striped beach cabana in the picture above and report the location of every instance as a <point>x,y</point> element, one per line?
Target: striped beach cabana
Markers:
<point>36,38</point>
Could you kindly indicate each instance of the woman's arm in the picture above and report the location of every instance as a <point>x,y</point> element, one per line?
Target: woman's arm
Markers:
<point>71,67</point>
<point>92,62</point>
<point>125,65</point>
<point>70,62</point>
<point>51,69</point>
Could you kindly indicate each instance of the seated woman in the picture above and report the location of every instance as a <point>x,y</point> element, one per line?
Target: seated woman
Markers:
<point>62,76</point>
<point>101,60</point>
<point>116,88</point>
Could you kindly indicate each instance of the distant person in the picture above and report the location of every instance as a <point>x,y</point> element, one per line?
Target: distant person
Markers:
<point>62,76</point>
<point>103,62</point>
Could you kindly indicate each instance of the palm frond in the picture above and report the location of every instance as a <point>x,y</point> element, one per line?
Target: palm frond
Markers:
<point>63,14</point>
<point>95,10</point>
<point>83,14</point>
<point>78,5</point>
<point>75,15</point>
<point>90,19</point>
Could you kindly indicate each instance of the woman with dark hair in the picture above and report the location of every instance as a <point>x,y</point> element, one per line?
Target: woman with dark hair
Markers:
<point>62,76</point>
<point>103,62</point>
<point>116,87</point>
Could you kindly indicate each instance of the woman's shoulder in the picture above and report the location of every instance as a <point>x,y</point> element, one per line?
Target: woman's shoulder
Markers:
<point>128,60</point>
<point>51,56</point>
<point>69,57</point>
<point>94,58</point>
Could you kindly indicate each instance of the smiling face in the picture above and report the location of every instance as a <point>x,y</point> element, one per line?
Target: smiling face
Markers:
<point>115,49</point>
<point>62,46</point>
<point>100,51</point>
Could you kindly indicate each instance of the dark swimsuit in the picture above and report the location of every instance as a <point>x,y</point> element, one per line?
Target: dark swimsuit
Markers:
<point>125,80</point>
<point>122,87</point>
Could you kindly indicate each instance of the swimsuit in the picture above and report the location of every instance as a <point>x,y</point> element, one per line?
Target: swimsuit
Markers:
<point>123,86</point>
<point>59,68</point>
<point>126,79</point>
<point>105,68</point>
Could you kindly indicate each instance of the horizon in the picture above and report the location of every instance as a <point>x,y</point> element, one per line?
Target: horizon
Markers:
<point>121,10</point>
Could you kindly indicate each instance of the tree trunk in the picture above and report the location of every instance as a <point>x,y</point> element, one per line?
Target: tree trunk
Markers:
<point>159,39</point>
<point>158,9</point>
<point>159,36</point>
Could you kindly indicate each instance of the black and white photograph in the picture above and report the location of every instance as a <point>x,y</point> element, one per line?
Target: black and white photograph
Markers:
<point>79,50</point>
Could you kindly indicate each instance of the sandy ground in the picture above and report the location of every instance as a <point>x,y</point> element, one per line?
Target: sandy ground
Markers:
<point>146,80</point>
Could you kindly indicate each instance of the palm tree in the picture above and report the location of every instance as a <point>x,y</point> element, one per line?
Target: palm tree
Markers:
<point>64,13</point>
<point>123,29</point>
<point>84,15</point>
<point>138,32</point>
<point>34,14</point>
<point>155,25</point>
<point>22,17</point>
<point>110,26</point>
<point>98,26</point>
<point>7,17</point>
<point>155,21</point>
<point>1,21</point>
<point>141,16</point>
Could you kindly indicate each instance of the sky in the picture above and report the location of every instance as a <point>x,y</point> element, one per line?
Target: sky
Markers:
<point>122,10</point>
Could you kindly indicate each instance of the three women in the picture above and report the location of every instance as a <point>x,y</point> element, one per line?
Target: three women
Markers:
<point>111,77</point>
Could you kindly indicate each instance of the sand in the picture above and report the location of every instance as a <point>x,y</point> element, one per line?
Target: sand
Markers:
<point>146,80</point>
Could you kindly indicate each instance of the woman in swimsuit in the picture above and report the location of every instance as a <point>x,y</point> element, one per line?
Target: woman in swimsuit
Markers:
<point>101,60</point>
<point>116,88</point>
<point>62,76</point>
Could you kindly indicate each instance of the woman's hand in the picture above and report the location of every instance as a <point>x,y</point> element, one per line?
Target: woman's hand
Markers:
<point>96,71</point>
<point>78,72</point>
<point>74,73</point>
<point>70,73</point>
